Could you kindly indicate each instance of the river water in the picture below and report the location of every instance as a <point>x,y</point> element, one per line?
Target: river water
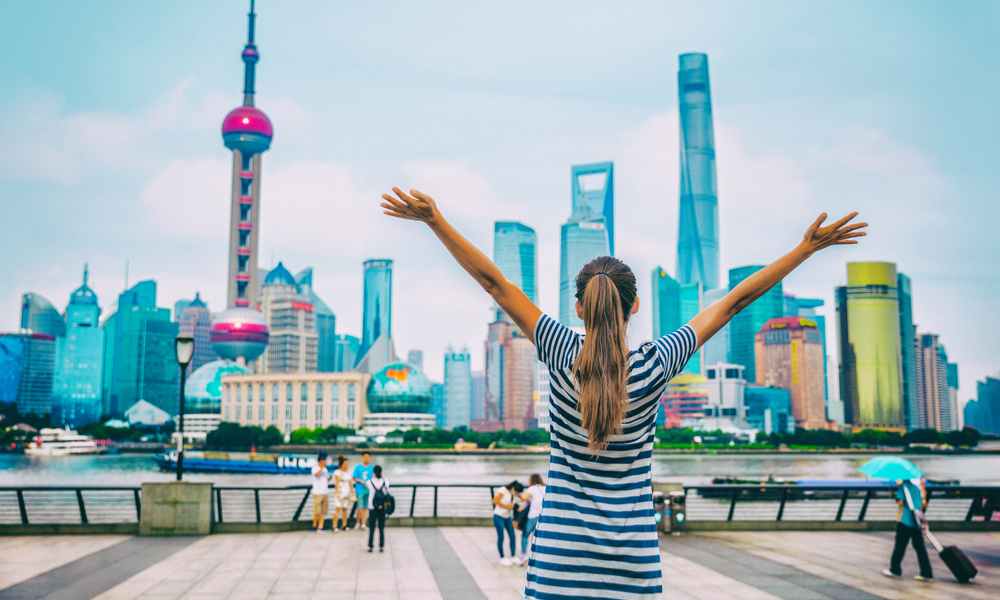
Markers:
<point>133,469</point>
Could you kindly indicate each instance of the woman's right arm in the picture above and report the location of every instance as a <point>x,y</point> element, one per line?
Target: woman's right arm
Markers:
<point>420,207</point>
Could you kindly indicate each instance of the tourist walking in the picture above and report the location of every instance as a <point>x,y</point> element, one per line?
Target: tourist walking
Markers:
<point>343,492</point>
<point>596,535</point>
<point>910,529</point>
<point>378,496</point>
<point>503,519</point>
<point>362,473</point>
<point>533,496</point>
<point>320,492</point>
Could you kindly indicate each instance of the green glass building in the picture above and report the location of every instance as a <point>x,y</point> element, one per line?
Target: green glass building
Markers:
<point>139,361</point>
<point>868,333</point>
<point>673,306</point>
<point>747,323</point>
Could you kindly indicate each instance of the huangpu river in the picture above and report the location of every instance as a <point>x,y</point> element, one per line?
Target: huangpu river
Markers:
<point>133,469</point>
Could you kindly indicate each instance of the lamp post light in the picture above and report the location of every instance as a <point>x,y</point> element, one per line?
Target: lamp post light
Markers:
<point>184,349</point>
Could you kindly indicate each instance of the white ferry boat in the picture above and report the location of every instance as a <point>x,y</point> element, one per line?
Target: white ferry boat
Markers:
<point>57,442</point>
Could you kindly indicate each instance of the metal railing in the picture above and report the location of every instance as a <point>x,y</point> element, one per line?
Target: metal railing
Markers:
<point>728,502</point>
<point>38,505</point>
<point>276,505</point>
<point>45,505</point>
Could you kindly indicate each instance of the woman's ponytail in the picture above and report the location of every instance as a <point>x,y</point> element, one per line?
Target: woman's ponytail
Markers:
<point>606,293</point>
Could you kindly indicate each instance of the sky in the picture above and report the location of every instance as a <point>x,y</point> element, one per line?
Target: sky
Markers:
<point>110,117</point>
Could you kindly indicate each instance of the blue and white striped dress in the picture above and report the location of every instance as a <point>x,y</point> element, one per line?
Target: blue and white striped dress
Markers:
<point>596,537</point>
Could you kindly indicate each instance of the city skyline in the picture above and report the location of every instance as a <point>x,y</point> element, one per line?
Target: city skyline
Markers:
<point>782,156</point>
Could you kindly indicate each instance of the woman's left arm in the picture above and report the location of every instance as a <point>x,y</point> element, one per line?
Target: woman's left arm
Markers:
<point>420,207</point>
<point>714,317</point>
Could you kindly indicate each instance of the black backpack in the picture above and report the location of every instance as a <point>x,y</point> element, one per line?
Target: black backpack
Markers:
<point>383,500</point>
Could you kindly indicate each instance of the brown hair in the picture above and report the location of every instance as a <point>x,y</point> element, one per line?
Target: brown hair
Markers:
<point>340,460</point>
<point>605,289</point>
<point>535,479</point>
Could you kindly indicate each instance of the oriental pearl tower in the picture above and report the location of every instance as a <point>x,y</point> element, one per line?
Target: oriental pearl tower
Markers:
<point>240,332</point>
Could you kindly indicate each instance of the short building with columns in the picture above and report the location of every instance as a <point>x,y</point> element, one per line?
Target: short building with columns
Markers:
<point>290,401</point>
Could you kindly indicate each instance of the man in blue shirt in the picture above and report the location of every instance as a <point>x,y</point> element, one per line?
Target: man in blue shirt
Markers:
<point>362,475</point>
<point>910,529</point>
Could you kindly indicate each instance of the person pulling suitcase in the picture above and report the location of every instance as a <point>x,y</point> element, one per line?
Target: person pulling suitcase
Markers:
<point>909,530</point>
<point>956,560</point>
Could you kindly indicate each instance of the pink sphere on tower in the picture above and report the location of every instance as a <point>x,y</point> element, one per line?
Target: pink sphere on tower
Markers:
<point>239,333</point>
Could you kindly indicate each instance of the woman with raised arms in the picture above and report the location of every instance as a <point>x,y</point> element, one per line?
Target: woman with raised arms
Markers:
<point>596,537</point>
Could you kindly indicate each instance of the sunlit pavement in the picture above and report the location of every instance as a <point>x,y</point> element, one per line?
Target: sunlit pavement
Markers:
<point>462,564</point>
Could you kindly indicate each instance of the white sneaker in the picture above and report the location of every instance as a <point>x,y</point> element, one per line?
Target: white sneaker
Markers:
<point>505,561</point>
<point>923,579</point>
<point>523,561</point>
<point>889,573</point>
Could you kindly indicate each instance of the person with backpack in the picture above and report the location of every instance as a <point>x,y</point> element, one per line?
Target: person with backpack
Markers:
<point>597,536</point>
<point>380,505</point>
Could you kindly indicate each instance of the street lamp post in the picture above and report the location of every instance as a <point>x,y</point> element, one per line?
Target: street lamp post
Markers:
<point>184,349</point>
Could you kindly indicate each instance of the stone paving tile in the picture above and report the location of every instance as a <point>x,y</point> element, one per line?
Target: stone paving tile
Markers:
<point>24,557</point>
<point>288,565</point>
<point>477,548</point>
<point>684,579</point>
<point>857,560</point>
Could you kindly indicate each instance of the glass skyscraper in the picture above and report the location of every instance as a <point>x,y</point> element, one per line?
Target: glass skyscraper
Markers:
<point>76,388</point>
<point>39,316</point>
<point>716,349</point>
<point>196,320</point>
<point>515,253</point>
<point>457,388</point>
<point>673,306</point>
<point>27,362</point>
<point>325,324</point>
<point>907,352</point>
<point>377,317</point>
<point>698,238</point>
<point>747,323</point>
<point>139,360</point>
<point>347,347</point>
<point>870,356</point>
<point>588,234</point>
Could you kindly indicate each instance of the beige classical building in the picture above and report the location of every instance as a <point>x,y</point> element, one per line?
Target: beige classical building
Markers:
<point>290,401</point>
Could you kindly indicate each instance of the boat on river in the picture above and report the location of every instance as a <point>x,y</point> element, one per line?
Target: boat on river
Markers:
<point>242,462</point>
<point>61,442</point>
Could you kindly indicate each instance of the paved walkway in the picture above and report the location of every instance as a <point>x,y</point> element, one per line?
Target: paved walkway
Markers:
<point>462,564</point>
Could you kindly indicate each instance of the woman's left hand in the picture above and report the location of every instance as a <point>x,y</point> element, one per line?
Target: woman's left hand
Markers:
<point>837,234</point>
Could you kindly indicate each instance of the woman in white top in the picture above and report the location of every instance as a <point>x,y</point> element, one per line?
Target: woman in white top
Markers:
<point>597,535</point>
<point>503,518</point>
<point>376,507</point>
<point>342,490</point>
<point>533,496</point>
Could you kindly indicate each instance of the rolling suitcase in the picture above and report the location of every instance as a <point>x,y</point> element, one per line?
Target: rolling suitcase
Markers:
<point>956,560</point>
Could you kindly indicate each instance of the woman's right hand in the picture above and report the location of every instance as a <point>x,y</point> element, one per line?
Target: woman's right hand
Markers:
<point>416,207</point>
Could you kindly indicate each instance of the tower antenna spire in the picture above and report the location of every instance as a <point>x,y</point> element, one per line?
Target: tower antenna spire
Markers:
<point>85,272</point>
<point>250,58</point>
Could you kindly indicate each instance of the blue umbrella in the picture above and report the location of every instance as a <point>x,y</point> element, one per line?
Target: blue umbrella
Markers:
<point>891,467</point>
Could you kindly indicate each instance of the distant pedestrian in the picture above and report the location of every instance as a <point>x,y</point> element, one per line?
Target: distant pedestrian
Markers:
<point>503,519</point>
<point>362,474</point>
<point>343,490</point>
<point>533,496</point>
<point>378,493</point>
<point>320,492</point>
<point>910,529</point>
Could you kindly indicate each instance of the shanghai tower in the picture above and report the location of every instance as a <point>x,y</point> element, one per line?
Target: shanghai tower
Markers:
<point>698,238</point>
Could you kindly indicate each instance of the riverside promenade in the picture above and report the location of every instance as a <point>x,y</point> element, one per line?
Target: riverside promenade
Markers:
<point>461,563</point>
